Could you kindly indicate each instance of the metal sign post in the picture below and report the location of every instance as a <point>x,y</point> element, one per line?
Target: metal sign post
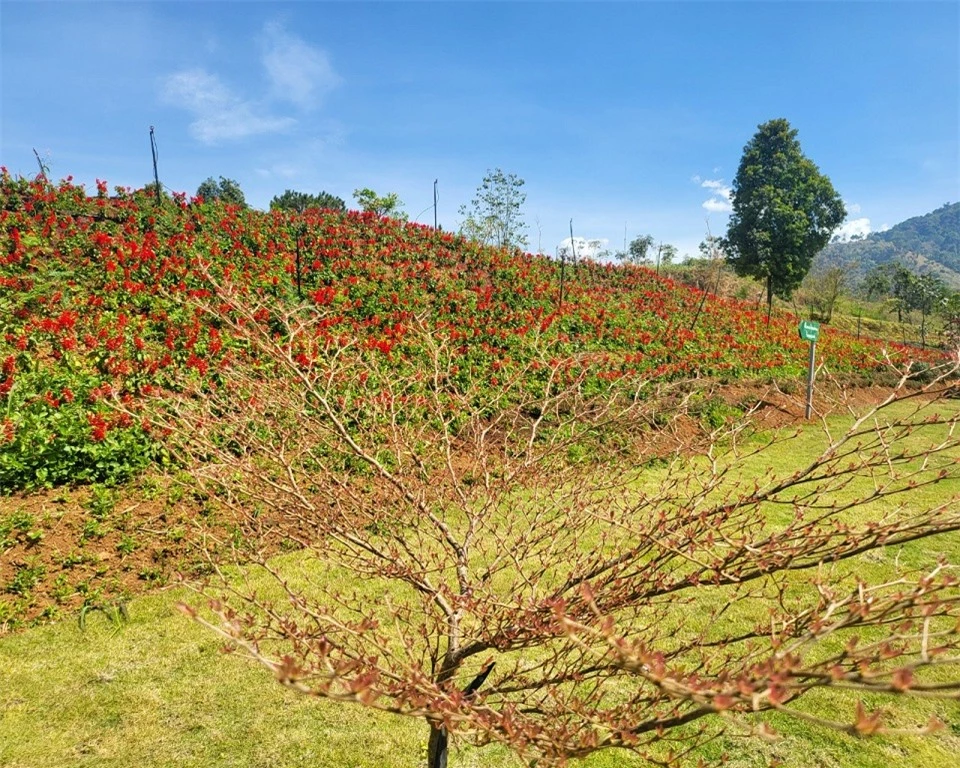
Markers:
<point>810,331</point>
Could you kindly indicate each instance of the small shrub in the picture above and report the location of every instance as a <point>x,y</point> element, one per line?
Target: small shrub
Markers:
<point>789,386</point>
<point>714,413</point>
<point>61,589</point>
<point>176,534</point>
<point>92,529</point>
<point>19,525</point>
<point>127,545</point>
<point>52,446</point>
<point>102,502</point>
<point>153,574</point>
<point>922,373</point>
<point>578,453</point>
<point>25,579</point>
<point>74,558</point>
<point>9,620</point>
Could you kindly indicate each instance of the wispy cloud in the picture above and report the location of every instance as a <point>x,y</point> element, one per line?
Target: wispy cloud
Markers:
<point>279,170</point>
<point>219,113</point>
<point>298,72</point>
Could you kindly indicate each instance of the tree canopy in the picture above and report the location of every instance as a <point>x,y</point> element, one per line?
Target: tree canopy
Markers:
<point>495,215</point>
<point>224,190</point>
<point>784,211</point>
<point>642,251</point>
<point>389,205</point>
<point>637,251</point>
<point>291,200</point>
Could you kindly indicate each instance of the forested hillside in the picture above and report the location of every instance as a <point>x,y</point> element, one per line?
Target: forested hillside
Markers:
<point>929,243</point>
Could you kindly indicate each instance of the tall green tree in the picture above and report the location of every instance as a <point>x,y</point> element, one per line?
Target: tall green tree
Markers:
<point>224,190</point>
<point>495,215</point>
<point>389,205</point>
<point>784,211</point>
<point>291,200</point>
<point>876,283</point>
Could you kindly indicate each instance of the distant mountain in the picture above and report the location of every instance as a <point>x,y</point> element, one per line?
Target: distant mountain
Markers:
<point>929,243</point>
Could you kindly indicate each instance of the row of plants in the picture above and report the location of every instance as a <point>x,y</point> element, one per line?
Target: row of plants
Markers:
<point>106,298</point>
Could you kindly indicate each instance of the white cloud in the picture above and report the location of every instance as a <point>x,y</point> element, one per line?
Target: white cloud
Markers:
<point>852,208</point>
<point>717,186</point>
<point>717,205</point>
<point>298,72</point>
<point>219,114</point>
<point>853,227</point>
<point>720,193</point>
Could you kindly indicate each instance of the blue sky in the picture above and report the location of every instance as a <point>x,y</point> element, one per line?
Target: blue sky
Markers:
<point>628,115</point>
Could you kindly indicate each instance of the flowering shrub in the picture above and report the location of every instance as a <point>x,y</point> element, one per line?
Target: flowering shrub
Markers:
<point>99,301</point>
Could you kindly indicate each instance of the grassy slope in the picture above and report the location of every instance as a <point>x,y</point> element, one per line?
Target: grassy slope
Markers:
<point>156,692</point>
<point>878,320</point>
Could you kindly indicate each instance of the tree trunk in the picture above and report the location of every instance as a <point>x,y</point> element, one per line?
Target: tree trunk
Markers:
<point>769,297</point>
<point>437,747</point>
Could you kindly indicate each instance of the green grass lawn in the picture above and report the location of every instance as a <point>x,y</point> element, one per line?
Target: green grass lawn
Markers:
<point>156,691</point>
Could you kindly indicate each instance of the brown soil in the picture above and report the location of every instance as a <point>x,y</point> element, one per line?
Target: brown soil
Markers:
<point>767,406</point>
<point>65,548</point>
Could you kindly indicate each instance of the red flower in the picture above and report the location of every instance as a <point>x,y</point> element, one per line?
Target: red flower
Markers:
<point>98,427</point>
<point>197,363</point>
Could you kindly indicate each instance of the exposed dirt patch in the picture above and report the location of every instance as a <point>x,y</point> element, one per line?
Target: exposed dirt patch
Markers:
<point>66,548</point>
<point>767,406</point>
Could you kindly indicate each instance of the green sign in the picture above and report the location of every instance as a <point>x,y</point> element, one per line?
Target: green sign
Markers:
<point>809,330</point>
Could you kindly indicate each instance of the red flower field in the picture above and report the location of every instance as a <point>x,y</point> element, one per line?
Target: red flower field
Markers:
<point>100,298</point>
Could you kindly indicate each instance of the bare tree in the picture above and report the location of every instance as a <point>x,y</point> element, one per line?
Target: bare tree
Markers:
<point>821,290</point>
<point>496,561</point>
